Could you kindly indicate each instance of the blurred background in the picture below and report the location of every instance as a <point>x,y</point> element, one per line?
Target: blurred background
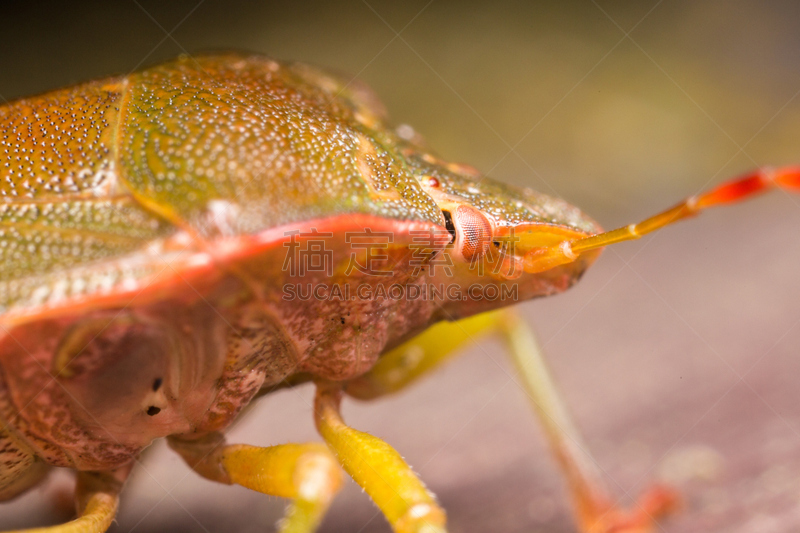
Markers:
<point>678,353</point>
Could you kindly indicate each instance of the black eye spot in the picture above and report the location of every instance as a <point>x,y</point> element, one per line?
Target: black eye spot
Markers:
<point>448,223</point>
<point>153,410</point>
<point>157,384</point>
<point>342,319</point>
<point>496,244</point>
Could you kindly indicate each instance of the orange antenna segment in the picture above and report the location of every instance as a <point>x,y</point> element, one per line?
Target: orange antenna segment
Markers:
<point>741,188</point>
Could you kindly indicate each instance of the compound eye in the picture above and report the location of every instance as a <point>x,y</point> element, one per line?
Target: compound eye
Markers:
<point>474,232</point>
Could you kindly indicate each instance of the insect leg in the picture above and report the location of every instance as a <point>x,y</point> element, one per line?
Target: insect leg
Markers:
<point>405,501</point>
<point>419,356</point>
<point>423,353</point>
<point>305,473</point>
<point>97,499</point>
<point>595,508</point>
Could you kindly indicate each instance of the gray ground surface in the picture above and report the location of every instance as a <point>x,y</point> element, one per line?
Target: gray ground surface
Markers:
<point>678,353</point>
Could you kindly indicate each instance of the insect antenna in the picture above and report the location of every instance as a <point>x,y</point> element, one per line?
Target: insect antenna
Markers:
<point>738,189</point>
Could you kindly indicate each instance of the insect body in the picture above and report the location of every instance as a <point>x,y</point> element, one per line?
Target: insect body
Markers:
<point>176,242</point>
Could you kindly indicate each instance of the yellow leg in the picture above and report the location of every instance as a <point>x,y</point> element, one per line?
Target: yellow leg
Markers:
<point>594,506</point>
<point>307,474</point>
<point>378,469</point>
<point>97,498</point>
<point>419,356</point>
